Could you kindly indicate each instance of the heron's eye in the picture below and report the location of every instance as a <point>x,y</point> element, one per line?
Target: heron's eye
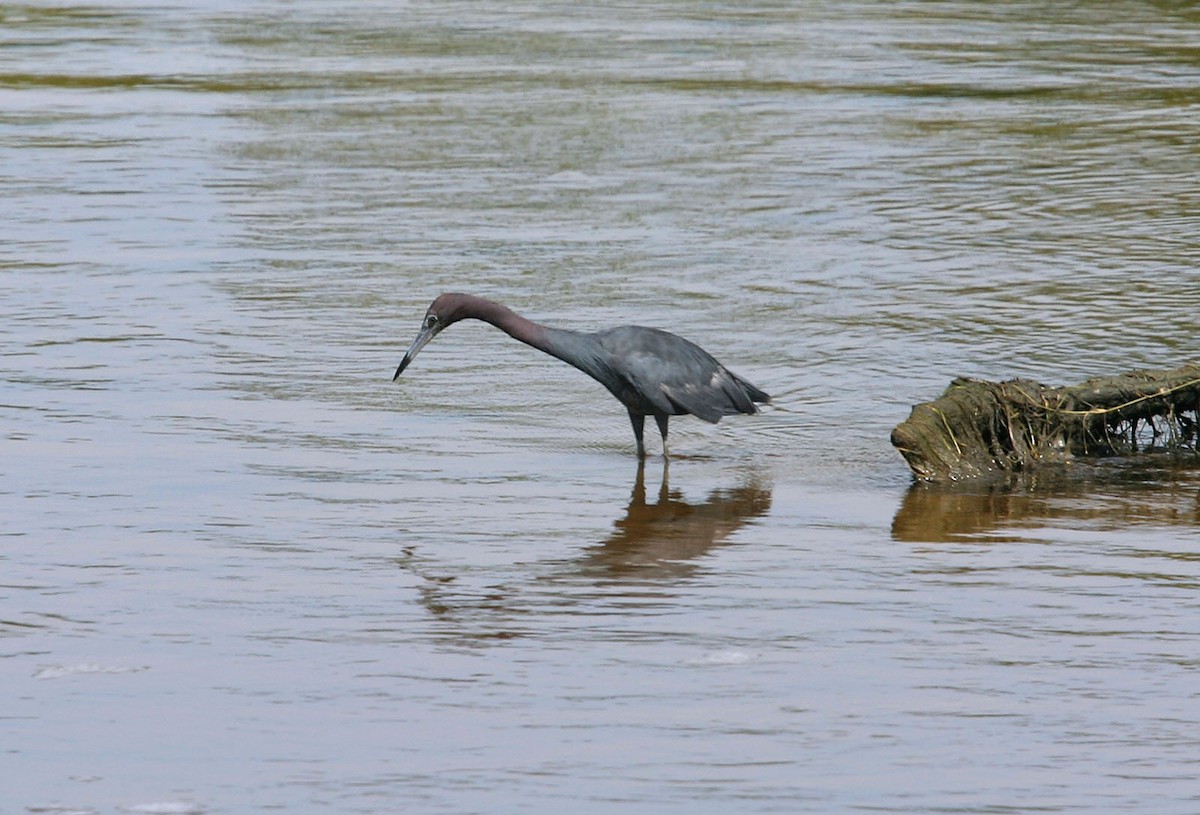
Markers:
<point>431,321</point>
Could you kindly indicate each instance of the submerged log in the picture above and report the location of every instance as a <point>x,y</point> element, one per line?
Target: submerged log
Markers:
<point>978,428</point>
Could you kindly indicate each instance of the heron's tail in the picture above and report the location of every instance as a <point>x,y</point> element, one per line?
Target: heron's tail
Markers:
<point>753,393</point>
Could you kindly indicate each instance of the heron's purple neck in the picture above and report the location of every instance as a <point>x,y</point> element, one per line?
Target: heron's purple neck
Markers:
<point>572,347</point>
<point>507,320</point>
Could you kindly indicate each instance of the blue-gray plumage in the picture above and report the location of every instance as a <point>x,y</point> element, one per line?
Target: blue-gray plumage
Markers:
<point>651,372</point>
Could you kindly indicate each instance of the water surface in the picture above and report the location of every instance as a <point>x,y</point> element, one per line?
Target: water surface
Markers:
<point>243,570</point>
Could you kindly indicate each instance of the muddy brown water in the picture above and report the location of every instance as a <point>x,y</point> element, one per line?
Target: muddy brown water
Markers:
<point>242,570</point>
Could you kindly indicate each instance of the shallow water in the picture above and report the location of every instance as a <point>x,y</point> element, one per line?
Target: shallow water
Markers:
<point>243,570</point>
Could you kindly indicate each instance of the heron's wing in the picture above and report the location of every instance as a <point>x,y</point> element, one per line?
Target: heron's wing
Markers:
<point>674,375</point>
<point>693,400</point>
<point>640,373</point>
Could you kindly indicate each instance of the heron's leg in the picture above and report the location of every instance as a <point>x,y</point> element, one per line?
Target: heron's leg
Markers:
<point>638,421</point>
<point>662,420</point>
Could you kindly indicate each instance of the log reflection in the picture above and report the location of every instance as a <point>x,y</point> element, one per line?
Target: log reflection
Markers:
<point>1113,497</point>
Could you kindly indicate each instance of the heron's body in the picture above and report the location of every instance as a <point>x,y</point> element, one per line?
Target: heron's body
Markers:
<point>650,371</point>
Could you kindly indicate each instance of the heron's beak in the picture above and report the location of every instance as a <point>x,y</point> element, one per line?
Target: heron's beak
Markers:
<point>427,333</point>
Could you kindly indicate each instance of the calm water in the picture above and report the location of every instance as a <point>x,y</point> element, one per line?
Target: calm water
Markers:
<point>241,571</point>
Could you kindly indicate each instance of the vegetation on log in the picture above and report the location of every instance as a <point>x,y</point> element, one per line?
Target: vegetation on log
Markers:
<point>978,428</point>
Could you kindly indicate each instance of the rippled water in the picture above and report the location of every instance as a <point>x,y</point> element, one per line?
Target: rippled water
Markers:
<point>243,570</point>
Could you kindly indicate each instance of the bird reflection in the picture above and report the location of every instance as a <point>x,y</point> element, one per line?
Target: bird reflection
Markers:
<point>664,539</point>
<point>656,543</point>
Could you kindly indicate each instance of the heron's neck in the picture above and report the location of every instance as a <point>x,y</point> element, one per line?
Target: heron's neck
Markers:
<point>572,347</point>
<point>508,321</point>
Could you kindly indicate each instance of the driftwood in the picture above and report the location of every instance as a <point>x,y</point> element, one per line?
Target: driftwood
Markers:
<point>978,428</point>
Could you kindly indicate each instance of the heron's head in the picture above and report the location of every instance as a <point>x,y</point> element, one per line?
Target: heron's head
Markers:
<point>446,310</point>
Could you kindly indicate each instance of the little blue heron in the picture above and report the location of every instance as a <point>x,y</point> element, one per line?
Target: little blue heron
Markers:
<point>651,372</point>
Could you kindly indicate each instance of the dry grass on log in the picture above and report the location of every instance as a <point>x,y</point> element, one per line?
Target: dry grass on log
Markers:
<point>979,428</point>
